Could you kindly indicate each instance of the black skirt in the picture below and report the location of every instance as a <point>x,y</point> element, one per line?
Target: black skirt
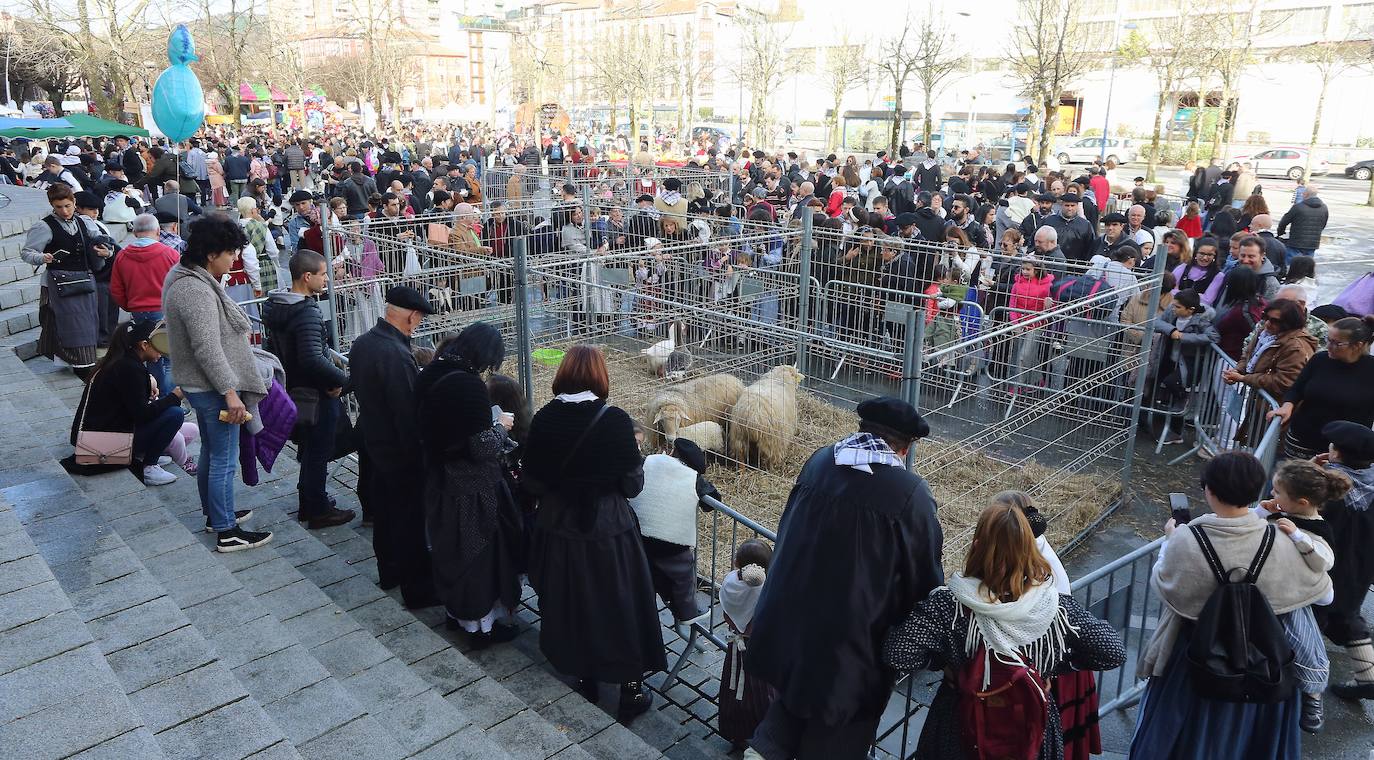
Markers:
<point>471,584</point>
<point>598,615</point>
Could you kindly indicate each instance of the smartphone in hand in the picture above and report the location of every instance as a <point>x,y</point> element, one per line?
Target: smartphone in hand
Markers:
<point>1178,508</point>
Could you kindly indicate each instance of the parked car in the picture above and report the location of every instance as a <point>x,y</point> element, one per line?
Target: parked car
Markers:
<point>1089,149</point>
<point>1361,170</point>
<point>1283,162</point>
<point>1004,149</point>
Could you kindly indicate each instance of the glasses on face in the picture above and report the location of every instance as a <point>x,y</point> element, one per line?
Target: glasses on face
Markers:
<point>1340,343</point>
<point>1205,256</point>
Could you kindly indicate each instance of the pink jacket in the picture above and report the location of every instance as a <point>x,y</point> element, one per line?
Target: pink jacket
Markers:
<point>1028,296</point>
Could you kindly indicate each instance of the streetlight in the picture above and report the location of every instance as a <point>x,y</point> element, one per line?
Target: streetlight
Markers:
<point>1111,85</point>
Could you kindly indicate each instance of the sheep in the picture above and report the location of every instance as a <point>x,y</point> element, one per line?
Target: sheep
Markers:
<point>704,399</point>
<point>709,435</point>
<point>763,420</point>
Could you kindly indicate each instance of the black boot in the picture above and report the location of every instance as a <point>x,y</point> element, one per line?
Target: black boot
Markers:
<point>1311,720</point>
<point>635,700</point>
<point>589,689</point>
<point>1354,690</point>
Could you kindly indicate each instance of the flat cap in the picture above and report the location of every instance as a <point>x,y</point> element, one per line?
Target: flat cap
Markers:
<point>905,219</point>
<point>894,415</point>
<point>407,297</point>
<point>1354,441</point>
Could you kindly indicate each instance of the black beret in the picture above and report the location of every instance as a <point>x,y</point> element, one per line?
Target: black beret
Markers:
<point>301,195</point>
<point>1116,217</point>
<point>407,297</point>
<point>1046,198</point>
<point>166,217</point>
<point>1025,187</point>
<point>689,453</point>
<point>1070,198</point>
<point>86,199</point>
<point>672,184</point>
<point>117,184</point>
<point>1354,441</point>
<point>895,415</point>
<point>1330,312</point>
<point>905,219</point>
<point>644,197</point>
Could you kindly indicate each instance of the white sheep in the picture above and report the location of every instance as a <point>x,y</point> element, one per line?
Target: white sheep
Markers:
<point>763,420</point>
<point>709,435</point>
<point>704,399</point>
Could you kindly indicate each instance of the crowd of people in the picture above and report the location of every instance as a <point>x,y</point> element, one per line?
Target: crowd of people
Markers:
<point>470,493</point>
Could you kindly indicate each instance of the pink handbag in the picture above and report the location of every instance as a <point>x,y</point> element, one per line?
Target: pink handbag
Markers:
<point>101,448</point>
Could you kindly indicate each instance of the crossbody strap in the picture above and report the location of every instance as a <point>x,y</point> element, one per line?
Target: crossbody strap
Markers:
<point>90,390</point>
<point>563,469</point>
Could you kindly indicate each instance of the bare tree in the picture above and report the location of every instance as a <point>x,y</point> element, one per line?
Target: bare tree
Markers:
<point>846,68</point>
<point>1329,60</point>
<point>1168,48</point>
<point>937,59</point>
<point>108,41</point>
<point>227,38</point>
<point>764,43</point>
<point>1047,54</point>
<point>897,60</point>
<point>40,60</point>
<point>628,62</point>
<point>1233,30</point>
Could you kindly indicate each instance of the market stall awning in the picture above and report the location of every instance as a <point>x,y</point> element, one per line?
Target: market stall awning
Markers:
<point>71,125</point>
<point>261,93</point>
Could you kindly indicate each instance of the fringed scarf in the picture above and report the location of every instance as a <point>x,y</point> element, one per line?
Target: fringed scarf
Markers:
<point>1033,630</point>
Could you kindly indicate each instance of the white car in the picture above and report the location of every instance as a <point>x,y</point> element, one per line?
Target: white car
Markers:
<point>1089,149</point>
<point>1283,162</point>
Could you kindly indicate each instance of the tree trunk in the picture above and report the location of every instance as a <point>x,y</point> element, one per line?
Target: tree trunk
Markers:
<point>610,120</point>
<point>895,141</point>
<point>55,97</point>
<point>1316,124</point>
<point>1051,116</point>
<point>1369,201</point>
<point>835,141</point>
<point>927,128</point>
<point>1219,136</point>
<point>1154,141</point>
<point>1197,129</point>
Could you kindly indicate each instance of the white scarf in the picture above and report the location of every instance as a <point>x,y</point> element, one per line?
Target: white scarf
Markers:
<point>576,398</point>
<point>1032,630</point>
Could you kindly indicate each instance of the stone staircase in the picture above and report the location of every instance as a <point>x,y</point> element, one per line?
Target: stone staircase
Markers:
<point>123,634</point>
<point>20,209</point>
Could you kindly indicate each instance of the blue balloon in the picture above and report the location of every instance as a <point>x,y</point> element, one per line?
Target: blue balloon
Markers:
<point>178,101</point>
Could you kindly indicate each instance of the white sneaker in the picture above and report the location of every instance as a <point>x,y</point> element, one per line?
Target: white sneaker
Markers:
<point>164,460</point>
<point>156,476</point>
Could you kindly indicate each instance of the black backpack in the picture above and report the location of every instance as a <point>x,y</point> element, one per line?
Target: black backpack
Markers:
<point>1239,651</point>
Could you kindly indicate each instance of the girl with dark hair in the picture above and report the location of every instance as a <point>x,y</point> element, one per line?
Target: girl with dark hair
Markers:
<point>1006,605</point>
<point>1302,271</point>
<point>1198,269</point>
<point>213,362</point>
<point>1336,385</point>
<point>744,699</point>
<point>474,527</point>
<point>598,613</point>
<point>122,398</point>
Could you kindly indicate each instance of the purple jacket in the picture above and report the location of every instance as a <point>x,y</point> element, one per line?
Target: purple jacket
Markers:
<point>278,414</point>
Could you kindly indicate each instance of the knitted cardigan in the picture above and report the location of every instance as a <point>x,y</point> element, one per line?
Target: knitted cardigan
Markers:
<point>208,335</point>
<point>1184,581</point>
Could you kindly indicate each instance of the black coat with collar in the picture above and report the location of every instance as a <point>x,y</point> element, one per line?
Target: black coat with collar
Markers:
<point>382,379</point>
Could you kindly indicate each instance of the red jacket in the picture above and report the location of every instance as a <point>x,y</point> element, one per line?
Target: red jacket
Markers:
<point>1190,226</point>
<point>1101,188</point>
<point>136,280</point>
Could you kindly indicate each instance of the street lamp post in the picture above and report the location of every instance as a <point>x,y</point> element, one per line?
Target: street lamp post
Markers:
<point>1111,85</point>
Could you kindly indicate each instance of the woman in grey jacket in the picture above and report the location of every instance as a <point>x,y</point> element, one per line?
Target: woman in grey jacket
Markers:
<point>213,363</point>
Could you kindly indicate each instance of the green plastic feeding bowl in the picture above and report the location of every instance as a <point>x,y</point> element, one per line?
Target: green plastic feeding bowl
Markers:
<point>549,357</point>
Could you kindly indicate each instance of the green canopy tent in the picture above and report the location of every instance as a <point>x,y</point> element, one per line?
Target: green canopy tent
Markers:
<point>71,125</point>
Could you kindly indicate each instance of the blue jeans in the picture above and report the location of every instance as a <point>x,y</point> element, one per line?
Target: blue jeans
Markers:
<point>153,437</point>
<point>218,463</point>
<point>316,445</point>
<point>162,368</point>
<point>1288,258</point>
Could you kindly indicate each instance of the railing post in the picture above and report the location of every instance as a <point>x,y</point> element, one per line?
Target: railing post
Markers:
<point>1146,338</point>
<point>911,366</point>
<point>522,317</point>
<point>332,318</point>
<point>804,288</point>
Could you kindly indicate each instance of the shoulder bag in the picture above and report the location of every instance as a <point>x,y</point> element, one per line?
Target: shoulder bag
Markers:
<point>101,448</point>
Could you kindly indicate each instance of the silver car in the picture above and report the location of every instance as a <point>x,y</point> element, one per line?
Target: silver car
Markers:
<point>1089,149</point>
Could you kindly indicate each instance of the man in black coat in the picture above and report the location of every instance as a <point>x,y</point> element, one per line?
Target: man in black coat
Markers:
<point>858,548</point>
<point>928,173</point>
<point>1044,209</point>
<point>1304,223</point>
<point>928,220</point>
<point>901,194</point>
<point>296,334</point>
<point>383,373</point>
<point>1076,235</point>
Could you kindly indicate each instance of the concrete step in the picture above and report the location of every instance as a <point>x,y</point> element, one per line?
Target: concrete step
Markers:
<point>62,699</point>
<point>10,247</point>
<point>19,293</point>
<point>18,319</point>
<point>432,691</point>
<point>15,270</point>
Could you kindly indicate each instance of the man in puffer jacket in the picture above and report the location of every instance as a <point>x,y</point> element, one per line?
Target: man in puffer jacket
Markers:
<point>1307,220</point>
<point>296,335</point>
